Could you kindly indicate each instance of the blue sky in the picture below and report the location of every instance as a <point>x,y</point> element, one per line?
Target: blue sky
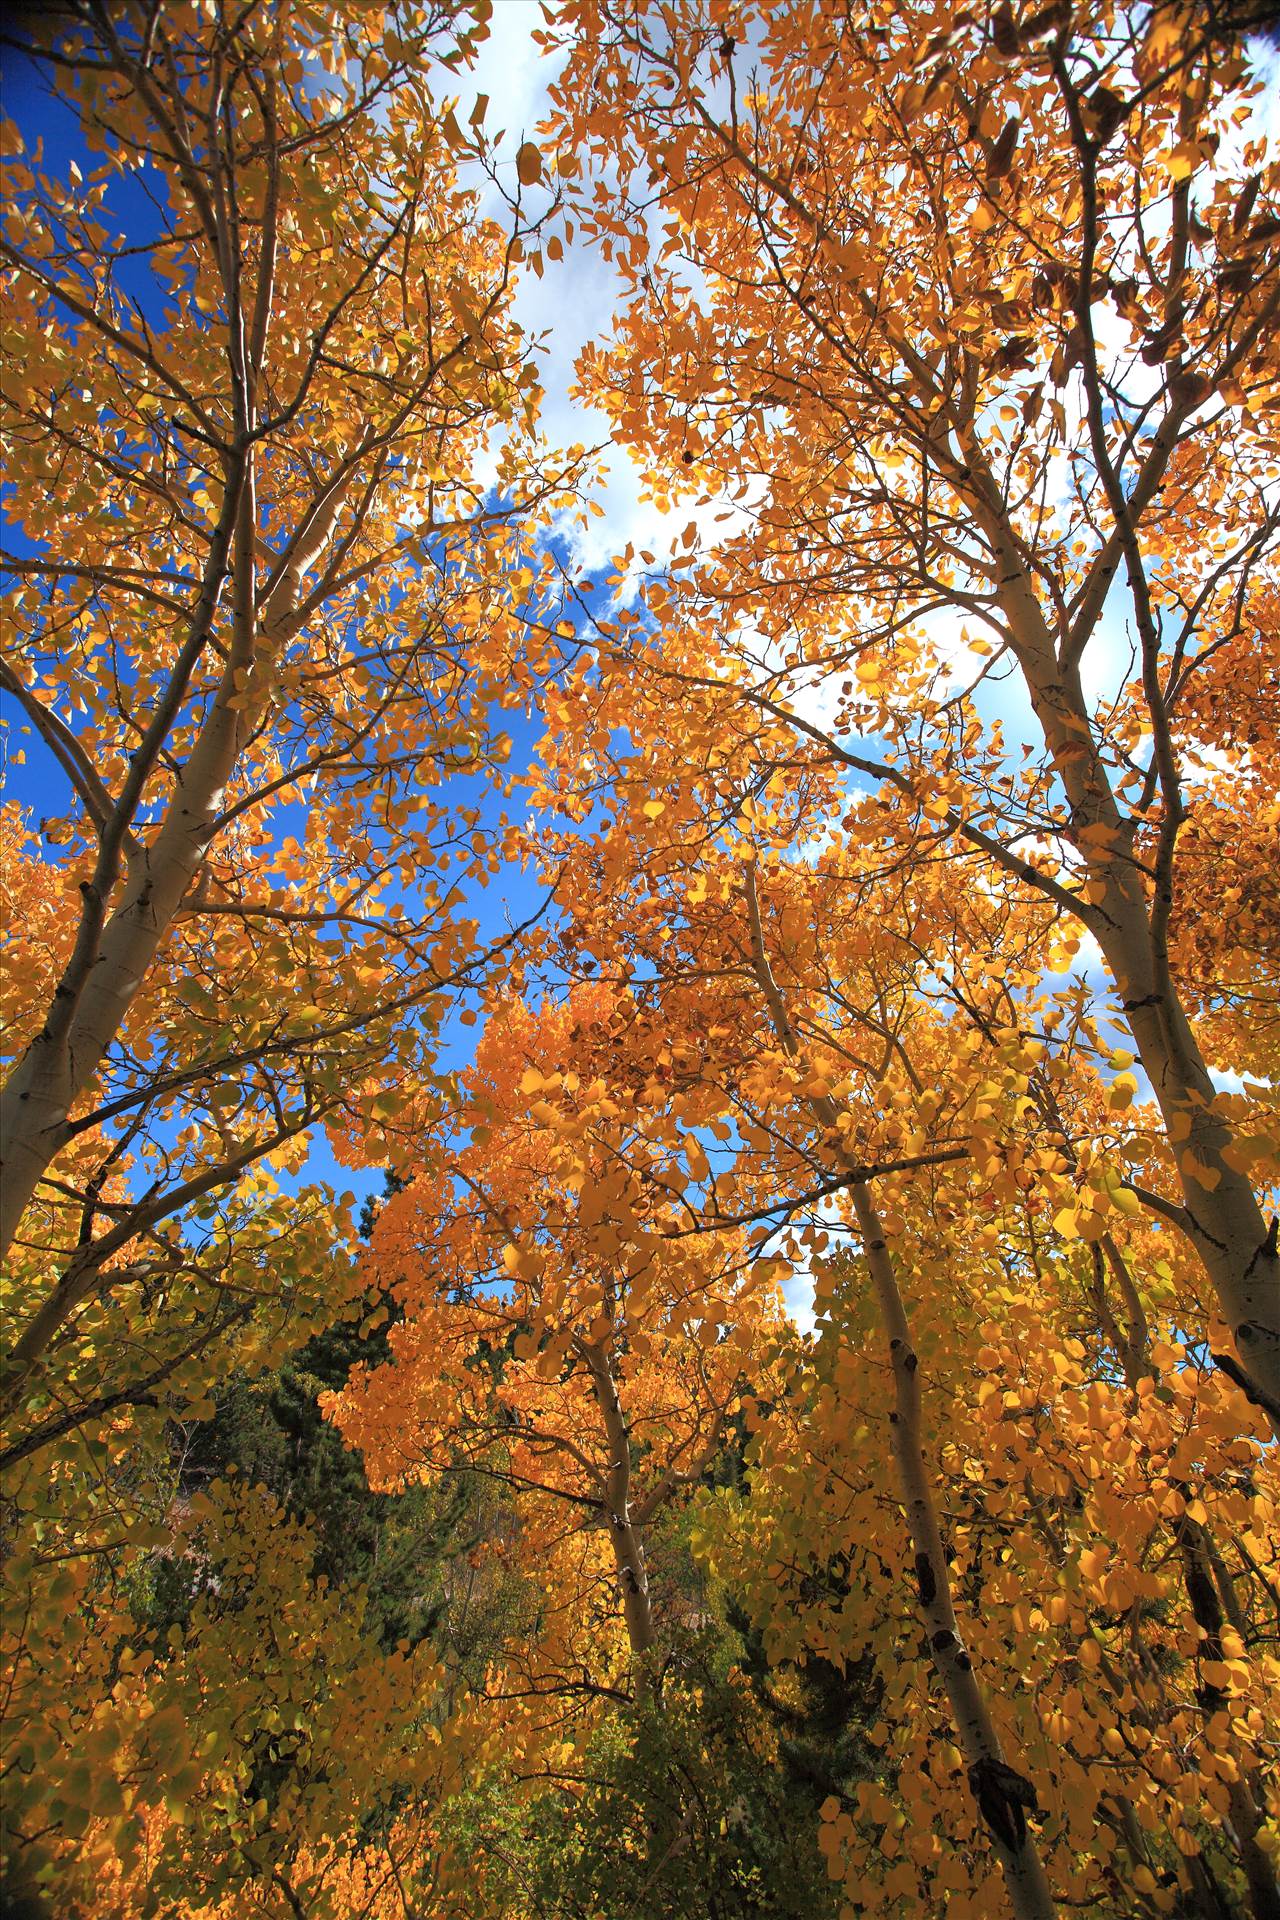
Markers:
<point>560,310</point>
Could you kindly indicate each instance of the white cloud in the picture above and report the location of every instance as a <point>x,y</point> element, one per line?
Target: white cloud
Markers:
<point>797,1295</point>
<point>513,73</point>
<point>1227,1080</point>
<point>568,306</point>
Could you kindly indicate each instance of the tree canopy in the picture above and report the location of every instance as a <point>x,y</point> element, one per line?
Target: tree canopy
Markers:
<point>796,1432</point>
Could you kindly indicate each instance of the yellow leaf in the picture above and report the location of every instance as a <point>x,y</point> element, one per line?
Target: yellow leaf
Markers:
<point>696,1160</point>
<point>1182,162</point>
